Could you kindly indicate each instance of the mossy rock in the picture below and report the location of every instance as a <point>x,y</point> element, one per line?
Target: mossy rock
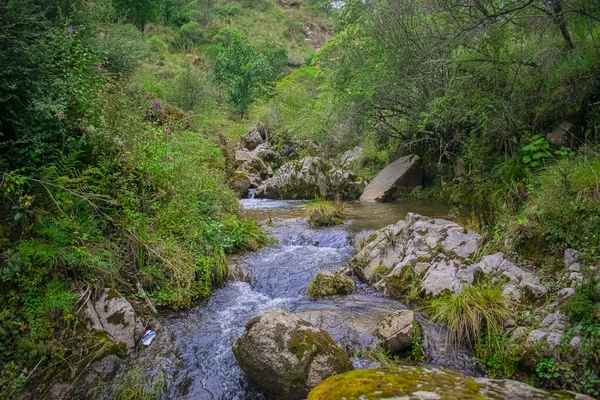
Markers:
<point>285,356</point>
<point>420,383</point>
<point>329,284</point>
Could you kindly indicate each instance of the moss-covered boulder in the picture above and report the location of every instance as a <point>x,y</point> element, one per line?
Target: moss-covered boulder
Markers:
<point>330,283</point>
<point>285,357</point>
<point>421,383</point>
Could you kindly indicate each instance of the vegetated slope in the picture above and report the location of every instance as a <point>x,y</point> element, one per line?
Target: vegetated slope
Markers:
<point>109,177</point>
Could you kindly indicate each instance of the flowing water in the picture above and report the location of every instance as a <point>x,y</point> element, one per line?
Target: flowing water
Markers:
<point>281,273</point>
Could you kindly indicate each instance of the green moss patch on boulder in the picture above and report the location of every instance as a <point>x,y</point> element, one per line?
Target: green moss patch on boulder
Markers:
<point>420,383</point>
<point>330,283</point>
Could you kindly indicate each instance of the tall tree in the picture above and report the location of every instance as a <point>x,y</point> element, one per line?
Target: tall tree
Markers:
<point>138,12</point>
<point>242,72</point>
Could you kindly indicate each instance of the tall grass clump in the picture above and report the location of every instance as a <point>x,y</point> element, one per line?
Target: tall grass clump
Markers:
<point>478,310</point>
<point>323,212</point>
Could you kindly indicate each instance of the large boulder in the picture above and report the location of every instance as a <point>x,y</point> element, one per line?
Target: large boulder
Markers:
<point>285,357</point>
<point>422,383</point>
<point>252,140</point>
<point>265,153</point>
<point>240,182</point>
<point>432,257</point>
<point>310,177</point>
<point>113,314</point>
<point>245,159</point>
<point>404,173</point>
<point>399,331</point>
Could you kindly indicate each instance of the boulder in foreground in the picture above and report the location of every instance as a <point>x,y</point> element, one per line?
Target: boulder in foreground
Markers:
<point>404,173</point>
<point>421,383</point>
<point>285,357</point>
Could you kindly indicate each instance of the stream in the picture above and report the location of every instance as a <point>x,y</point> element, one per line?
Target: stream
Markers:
<point>281,274</point>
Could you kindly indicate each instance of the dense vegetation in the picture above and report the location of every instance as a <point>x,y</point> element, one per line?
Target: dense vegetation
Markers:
<point>116,123</point>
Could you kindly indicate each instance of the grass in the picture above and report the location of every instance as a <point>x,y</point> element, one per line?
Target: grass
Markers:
<point>478,310</point>
<point>322,212</point>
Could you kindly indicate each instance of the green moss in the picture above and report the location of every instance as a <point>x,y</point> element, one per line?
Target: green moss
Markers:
<point>392,382</point>
<point>329,285</point>
<point>413,382</point>
<point>382,270</point>
<point>117,318</point>
<point>112,294</point>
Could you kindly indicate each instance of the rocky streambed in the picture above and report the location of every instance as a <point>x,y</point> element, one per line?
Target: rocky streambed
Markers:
<point>379,245</point>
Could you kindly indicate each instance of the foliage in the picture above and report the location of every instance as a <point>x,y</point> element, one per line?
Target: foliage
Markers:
<point>188,90</point>
<point>242,72</point>
<point>476,313</point>
<point>499,356</point>
<point>138,12</point>
<point>322,212</point>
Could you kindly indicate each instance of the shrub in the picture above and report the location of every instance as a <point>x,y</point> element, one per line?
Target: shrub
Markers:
<point>322,212</point>
<point>188,90</point>
<point>478,310</point>
<point>157,45</point>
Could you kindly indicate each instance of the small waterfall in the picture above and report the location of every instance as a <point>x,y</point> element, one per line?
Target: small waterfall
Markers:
<point>251,193</point>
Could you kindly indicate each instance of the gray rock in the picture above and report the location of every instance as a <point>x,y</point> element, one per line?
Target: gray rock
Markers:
<point>404,173</point>
<point>535,336</point>
<point>252,140</point>
<point>561,135</point>
<point>351,156</point>
<point>239,182</point>
<point>265,153</point>
<point>114,315</point>
<point>252,174</point>
<point>243,157</point>
<point>441,277</point>
<point>575,342</point>
<point>285,356</point>
<point>517,335</point>
<point>460,168</point>
<point>398,331</point>
<point>564,294</point>
<point>303,179</point>
<point>572,260</point>
<point>512,292</point>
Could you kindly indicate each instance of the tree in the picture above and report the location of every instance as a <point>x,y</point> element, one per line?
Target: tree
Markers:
<point>242,72</point>
<point>138,12</point>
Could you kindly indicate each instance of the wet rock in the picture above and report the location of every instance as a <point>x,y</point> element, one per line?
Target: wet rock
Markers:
<point>330,283</point>
<point>422,383</point>
<point>239,182</point>
<point>351,156</point>
<point>247,159</point>
<point>399,331</point>
<point>404,173</point>
<point>285,356</point>
<point>308,177</point>
<point>237,274</point>
<point>252,174</point>
<point>252,140</point>
<point>114,315</point>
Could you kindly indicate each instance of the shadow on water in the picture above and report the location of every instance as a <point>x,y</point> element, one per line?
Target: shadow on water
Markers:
<point>281,274</point>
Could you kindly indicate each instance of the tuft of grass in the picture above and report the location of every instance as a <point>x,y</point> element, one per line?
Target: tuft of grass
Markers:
<point>136,386</point>
<point>322,212</point>
<point>478,310</point>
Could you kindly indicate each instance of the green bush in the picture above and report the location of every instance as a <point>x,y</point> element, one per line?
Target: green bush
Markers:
<point>188,90</point>
<point>157,45</point>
